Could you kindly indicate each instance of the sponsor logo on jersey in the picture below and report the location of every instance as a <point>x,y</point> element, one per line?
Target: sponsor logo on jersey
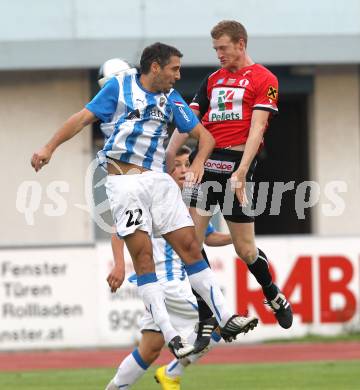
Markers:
<point>184,114</point>
<point>244,83</point>
<point>231,116</point>
<point>225,99</point>
<point>272,92</point>
<point>231,81</point>
<point>226,104</point>
<point>135,114</point>
<point>219,166</point>
<point>220,81</point>
<point>156,114</point>
<point>153,113</point>
<point>180,106</point>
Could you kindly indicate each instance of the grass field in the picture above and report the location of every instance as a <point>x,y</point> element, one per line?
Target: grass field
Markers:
<point>309,375</point>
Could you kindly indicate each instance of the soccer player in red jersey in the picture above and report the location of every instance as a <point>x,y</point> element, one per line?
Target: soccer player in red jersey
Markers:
<point>235,104</point>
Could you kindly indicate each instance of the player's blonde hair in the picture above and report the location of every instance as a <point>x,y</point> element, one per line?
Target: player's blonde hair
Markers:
<point>233,29</point>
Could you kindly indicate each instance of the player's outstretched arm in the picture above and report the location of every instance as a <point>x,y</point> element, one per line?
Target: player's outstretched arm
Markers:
<point>69,129</point>
<point>117,275</point>
<point>206,143</point>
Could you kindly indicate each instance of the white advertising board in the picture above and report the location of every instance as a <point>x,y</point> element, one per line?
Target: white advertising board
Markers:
<point>59,297</point>
<point>320,276</point>
<point>47,298</point>
<point>118,313</point>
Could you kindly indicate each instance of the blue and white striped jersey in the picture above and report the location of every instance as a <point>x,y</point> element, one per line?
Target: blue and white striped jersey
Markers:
<point>168,265</point>
<point>137,121</point>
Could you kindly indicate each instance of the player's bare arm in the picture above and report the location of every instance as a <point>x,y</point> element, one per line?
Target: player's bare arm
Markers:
<point>176,141</point>
<point>196,112</point>
<point>218,239</point>
<point>117,275</point>
<point>258,125</point>
<point>69,129</point>
<point>206,144</point>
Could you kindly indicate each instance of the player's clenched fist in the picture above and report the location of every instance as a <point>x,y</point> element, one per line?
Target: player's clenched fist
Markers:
<point>41,158</point>
<point>116,278</point>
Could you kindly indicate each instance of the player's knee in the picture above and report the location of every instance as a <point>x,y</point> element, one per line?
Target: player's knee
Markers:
<point>247,253</point>
<point>191,247</point>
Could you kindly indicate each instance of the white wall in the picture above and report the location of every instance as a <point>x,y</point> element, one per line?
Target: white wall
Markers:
<point>335,145</point>
<point>86,19</point>
<point>32,106</point>
<point>78,33</point>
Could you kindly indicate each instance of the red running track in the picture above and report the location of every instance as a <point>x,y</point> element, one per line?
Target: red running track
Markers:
<point>22,361</point>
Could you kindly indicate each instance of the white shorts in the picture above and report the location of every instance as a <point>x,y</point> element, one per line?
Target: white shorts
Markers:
<point>150,201</point>
<point>181,305</point>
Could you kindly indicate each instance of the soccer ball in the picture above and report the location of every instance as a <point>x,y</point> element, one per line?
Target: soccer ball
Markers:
<point>111,68</point>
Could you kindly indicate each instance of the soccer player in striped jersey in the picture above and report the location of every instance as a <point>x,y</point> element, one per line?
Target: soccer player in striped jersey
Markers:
<point>144,200</point>
<point>180,302</point>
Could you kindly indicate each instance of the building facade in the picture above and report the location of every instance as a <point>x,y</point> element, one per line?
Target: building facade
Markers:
<point>49,56</point>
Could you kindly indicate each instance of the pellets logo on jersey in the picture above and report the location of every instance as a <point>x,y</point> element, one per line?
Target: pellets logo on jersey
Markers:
<point>225,100</point>
<point>272,93</point>
<point>226,104</point>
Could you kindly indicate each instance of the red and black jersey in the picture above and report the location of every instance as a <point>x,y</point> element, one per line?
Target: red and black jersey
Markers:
<point>226,102</point>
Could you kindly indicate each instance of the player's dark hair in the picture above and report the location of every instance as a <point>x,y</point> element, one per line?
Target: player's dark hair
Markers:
<point>233,29</point>
<point>157,52</point>
<point>183,150</point>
